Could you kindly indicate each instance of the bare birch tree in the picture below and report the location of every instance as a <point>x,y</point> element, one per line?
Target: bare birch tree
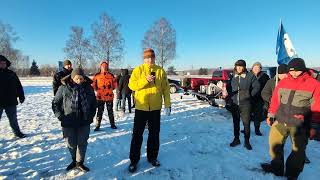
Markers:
<point>78,47</point>
<point>7,38</point>
<point>107,41</point>
<point>161,37</point>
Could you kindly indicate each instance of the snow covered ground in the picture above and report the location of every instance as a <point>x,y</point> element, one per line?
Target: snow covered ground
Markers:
<point>194,145</point>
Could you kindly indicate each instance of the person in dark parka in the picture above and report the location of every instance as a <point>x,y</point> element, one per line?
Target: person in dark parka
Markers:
<point>258,113</point>
<point>75,106</point>
<point>125,90</point>
<point>244,86</point>
<point>267,91</point>
<point>119,98</point>
<point>67,69</point>
<point>10,90</point>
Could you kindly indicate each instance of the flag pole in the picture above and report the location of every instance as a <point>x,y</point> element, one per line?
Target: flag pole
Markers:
<point>277,79</point>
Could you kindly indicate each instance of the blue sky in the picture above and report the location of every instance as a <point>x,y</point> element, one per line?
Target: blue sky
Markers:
<point>210,33</point>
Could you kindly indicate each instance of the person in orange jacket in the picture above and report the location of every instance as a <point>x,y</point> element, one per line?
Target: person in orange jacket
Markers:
<point>104,83</point>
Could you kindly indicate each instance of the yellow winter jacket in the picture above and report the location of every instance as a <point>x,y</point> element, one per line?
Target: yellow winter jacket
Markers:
<point>148,95</point>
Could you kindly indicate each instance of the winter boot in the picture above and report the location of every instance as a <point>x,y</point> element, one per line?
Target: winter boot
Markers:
<point>291,178</point>
<point>82,167</point>
<point>154,162</point>
<point>307,160</point>
<point>98,123</point>
<point>111,118</point>
<point>132,167</point>
<point>71,165</point>
<point>20,135</point>
<point>247,144</point>
<point>267,167</point>
<point>235,142</point>
<point>257,131</point>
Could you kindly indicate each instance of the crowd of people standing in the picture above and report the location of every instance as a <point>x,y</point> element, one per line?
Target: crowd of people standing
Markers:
<point>288,102</point>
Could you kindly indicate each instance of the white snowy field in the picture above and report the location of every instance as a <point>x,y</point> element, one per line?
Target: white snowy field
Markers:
<point>194,145</point>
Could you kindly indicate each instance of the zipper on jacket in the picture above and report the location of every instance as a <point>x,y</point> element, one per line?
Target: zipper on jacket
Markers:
<point>239,92</point>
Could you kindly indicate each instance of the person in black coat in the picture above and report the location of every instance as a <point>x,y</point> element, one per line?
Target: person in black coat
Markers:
<point>243,87</point>
<point>125,90</point>
<point>119,98</point>
<point>67,69</point>
<point>258,113</point>
<point>75,106</point>
<point>10,90</point>
<point>267,91</point>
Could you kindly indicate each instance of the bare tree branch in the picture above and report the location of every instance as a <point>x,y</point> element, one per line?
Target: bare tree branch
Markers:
<point>107,41</point>
<point>78,47</point>
<point>162,38</point>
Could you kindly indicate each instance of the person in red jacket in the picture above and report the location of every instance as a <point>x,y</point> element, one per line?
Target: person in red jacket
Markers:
<point>294,104</point>
<point>104,83</point>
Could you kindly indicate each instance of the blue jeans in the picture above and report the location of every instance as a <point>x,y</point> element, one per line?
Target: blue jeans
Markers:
<point>11,112</point>
<point>123,102</point>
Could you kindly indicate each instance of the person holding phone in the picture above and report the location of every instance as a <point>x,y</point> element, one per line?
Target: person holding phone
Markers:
<point>151,85</point>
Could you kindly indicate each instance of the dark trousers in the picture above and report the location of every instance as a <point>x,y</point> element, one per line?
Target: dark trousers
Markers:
<point>123,103</point>
<point>100,111</point>
<point>11,112</point>
<point>258,114</point>
<point>77,141</point>
<point>140,120</point>
<point>242,112</point>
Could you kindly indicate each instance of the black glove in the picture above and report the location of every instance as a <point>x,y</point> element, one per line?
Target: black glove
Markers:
<point>21,99</point>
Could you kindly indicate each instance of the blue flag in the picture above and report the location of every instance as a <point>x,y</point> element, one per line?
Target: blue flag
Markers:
<point>284,49</point>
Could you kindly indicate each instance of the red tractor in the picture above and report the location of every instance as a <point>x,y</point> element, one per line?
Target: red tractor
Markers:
<point>209,89</point>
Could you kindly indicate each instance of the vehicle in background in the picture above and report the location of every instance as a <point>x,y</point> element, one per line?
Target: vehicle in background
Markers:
<point>214,89</point>
<point>175,85</point>
<point>209,89</point>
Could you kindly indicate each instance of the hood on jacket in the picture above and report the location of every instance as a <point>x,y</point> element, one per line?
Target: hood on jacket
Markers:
<point>67,80</point>
<point>3,58</point>
<point>124,72</point>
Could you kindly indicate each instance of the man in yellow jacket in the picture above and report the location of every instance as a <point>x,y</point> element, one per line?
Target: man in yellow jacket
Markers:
<point>151,86</point>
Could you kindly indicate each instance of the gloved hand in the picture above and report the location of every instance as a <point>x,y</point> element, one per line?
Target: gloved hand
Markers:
<point>21,99</point>
<point>270,121</point>
<point>167,111</point>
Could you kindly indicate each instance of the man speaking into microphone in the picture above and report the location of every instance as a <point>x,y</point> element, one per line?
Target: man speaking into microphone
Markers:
<point>151,85</point>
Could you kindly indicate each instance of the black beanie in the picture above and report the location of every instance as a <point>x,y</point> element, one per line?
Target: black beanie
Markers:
<point>283,69</point>
<point>240,62</point>
<point>3,58</point>
<point>297,64</point>
<point>77,71</point>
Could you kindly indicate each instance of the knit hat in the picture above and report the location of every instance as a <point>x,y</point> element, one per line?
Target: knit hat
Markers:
<point>297,64</point>
<point>77,71</point>
<point>240,62</point>
<point>257,64</point>
<point>148,53</point>
<point>3,58</point>
<point>104,61</point>
<point>283,69</point>
<point>67,62</point>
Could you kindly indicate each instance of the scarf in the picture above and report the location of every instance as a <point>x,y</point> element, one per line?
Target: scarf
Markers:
<point>79,100</point>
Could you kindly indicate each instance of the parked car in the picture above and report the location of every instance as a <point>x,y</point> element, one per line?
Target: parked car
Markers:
<point>175,85</point>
